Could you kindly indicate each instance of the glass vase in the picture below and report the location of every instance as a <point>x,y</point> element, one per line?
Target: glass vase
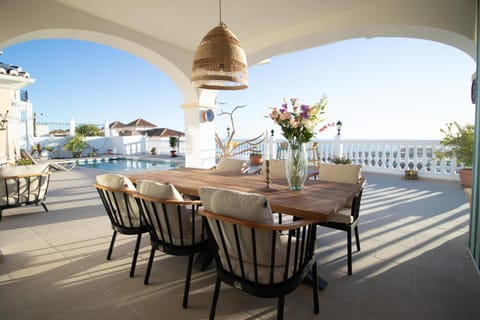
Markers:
<point>296,165</point>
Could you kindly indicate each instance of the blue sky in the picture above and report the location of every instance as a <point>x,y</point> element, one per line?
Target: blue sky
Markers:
<point>379,88</point>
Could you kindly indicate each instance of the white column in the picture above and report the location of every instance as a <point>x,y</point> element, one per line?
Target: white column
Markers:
<point>72,127</point>
<point>338,149</point>
<point>199,137</point>
<point>106,129</point>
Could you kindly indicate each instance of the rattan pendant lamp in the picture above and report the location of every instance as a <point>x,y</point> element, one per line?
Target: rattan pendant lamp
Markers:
<point>219,62</point>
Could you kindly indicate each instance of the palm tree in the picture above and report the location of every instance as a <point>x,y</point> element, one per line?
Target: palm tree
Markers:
<point>76,145</point>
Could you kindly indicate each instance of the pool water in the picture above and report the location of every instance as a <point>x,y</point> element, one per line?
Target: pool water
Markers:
<point>125,164</point>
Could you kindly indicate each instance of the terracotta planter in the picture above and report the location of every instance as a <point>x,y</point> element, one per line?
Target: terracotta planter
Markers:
<point>256,159</point>
<point>466,177</point>
<point>173,153</point>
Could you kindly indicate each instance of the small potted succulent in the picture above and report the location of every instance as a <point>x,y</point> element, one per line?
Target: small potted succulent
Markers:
<point>153,151</point>
<point>341,160</point>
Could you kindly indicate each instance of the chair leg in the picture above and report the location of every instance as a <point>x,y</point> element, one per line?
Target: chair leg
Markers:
<point>349,250</point>
<point>357,238</point>
<point>149,266</point>
<point>110,249</point>
<point>135,255</point>
<point>316,308</point>
<point>187,281</point>
<point>281,304</point>
<point>215,298</point>
<point>44,206</point>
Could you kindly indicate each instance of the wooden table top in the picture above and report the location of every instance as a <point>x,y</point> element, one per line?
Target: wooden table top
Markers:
<point>318,199</point>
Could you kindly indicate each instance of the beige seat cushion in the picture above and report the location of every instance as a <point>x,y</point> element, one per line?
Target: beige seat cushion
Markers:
<point>343,216</point>
<point>118,181</point>
<point>242,205</point>
<point>169,192</point>
<point>231,165</point>
<point>27,189</point>
<point>250,207</point>
<point>23,170</point>
<point>345,173</point>
<point>277,169</point>
<point>115,181</point>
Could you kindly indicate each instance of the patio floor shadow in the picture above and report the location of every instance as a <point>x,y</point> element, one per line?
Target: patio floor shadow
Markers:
<point>414,262</point>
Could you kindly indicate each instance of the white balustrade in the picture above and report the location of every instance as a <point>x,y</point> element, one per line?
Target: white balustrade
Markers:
<point>393,156</point>
<point>383,156</point>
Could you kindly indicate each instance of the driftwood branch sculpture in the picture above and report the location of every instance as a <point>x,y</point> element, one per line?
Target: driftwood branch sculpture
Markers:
<point>232,149</point>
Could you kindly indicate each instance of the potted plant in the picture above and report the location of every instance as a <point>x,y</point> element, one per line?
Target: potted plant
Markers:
<point>93,153</point>
<point>173,141</point>
<point>153,151</point>
<point>256,158</point>
<point>341,160</point>
<point>459,142</point>
<point>76,145</point>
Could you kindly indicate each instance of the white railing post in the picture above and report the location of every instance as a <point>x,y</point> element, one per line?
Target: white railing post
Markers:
<point>338,150</point>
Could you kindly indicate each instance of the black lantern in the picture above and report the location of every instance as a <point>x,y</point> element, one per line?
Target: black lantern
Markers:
<point>339,126</point>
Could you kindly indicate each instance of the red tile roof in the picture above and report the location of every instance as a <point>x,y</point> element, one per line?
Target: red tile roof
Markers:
<point>140,123</point>
<point>116,124</point>
<point>164,132</point>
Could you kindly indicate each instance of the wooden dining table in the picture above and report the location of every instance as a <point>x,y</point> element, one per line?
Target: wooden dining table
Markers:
<point>316,201</point>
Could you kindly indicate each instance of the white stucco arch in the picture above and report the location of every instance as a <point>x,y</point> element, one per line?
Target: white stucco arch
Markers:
<point>455,40</point>
<point>172,70</point>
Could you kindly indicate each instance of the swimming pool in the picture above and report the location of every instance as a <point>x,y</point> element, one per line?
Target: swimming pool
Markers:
<point>127,164</point>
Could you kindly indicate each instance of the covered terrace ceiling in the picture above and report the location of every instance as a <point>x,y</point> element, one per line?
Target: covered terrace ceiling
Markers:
<point>166,33</point>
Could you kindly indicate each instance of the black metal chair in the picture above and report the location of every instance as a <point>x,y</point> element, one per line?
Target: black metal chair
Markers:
<point>116,193</point>
<point>176,227</point>
<point>254,254</point>
<point>347,218</point>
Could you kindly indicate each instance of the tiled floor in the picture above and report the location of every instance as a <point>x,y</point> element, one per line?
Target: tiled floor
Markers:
<point>414,262</point>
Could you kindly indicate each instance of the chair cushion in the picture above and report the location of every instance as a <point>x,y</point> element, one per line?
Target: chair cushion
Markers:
<point>277,169</point>
<point>115,181</point>
<point>242,205</point>
<point>263,266</point>
<point>344,173</point>
<point>343,216</point>
<point>23,170</point>
<point>158,190</point>
<point>230,165</point>
<point>21,190</point>
<point>169,192</point>
<point>250,207</point>
<point>118,181</point>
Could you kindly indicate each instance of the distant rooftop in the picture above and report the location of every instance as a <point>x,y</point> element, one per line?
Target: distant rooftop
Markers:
<point>141,123</point>
<point>11,70</point>
<point>164,132</point>
<point>117,124</point>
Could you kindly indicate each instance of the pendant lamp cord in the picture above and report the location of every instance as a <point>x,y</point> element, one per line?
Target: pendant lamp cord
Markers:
<point>220,10</point>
